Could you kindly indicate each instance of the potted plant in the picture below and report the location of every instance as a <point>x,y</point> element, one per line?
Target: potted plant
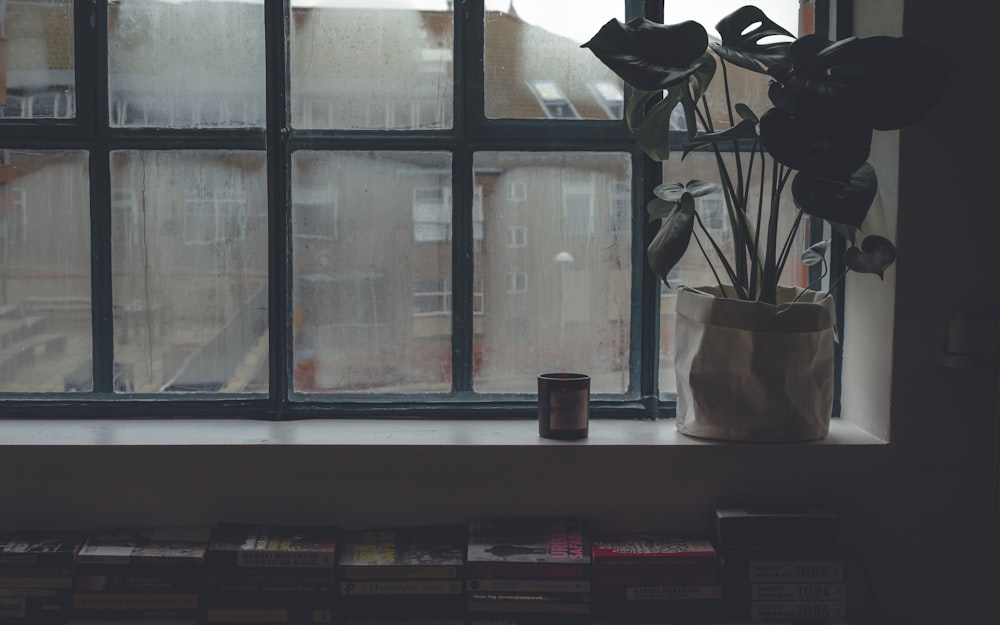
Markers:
<point>755,358</point>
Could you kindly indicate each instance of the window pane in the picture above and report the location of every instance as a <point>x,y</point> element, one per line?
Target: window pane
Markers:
<point>375,65</point>
<point>39,78</point>
<point>189,256</point>
<point>372,311</point>
<point>693,270</point>
<point>194,64</point>
<point>534,65</point>
<point>561,301</point>
<point>45,320</point>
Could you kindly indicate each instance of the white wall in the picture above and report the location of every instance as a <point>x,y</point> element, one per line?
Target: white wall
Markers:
<point>916,510</point>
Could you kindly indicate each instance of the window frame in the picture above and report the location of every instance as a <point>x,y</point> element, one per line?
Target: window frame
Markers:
<point>471,132</point>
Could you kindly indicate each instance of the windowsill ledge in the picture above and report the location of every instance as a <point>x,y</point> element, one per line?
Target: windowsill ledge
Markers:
<point>358,432</point>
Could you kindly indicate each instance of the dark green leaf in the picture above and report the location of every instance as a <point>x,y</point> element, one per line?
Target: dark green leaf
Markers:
<point>840,202</point>
<point>746,113</point>
<point>647,55</point>
<point>653,134</point>
<point>674,191</point>
<point>874,256</point>
<point>832,148</point>
<point>816,253</point>
<point>670,243</point>
<point>658,209</point>
<point>633,109</point>
<point>742,32</point>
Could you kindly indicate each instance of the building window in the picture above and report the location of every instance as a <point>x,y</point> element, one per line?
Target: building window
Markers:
<point>517,236</point>
<point>578,209</point>
<point>244,198</point>
<point>552,99</point>
<point>610,96</point>
<point>517,281</point>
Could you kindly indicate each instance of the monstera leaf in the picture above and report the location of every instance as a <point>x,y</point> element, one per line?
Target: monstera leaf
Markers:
<point>837,202</point>
<point>832,148</point>
<point>742,32</point>
<point>647,55</point>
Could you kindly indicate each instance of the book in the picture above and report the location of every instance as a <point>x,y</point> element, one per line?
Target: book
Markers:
<point>136,578</point>
<point>401,587</point>
<point>490,584</point>
<point>290,615</point>
<point>435,552</point>
<point>605,578</point>
<point>135,601</point>
<point>39,548</point>
<point>528,603</point>
<point>250,546</point>
<point>798,610</point>
<point>657,593</point>
<point>174,546</point>
<point>528,547</point>
<point>806,591</point>
<point>659,551</point>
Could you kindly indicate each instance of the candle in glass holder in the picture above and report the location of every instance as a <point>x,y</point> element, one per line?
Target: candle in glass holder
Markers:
<point>563,405</point>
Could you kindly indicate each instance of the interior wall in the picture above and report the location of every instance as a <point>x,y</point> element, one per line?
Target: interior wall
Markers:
<point>916,511</point>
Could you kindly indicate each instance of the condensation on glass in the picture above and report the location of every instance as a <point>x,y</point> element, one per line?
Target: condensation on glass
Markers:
<point>371,286</point>
<point>555,269</point>
<point>535,68</point>
<point>197,64</point>
<point>45,297</point>
<point>189,261</point>
<point>371,68</point>
<point>36,39</point>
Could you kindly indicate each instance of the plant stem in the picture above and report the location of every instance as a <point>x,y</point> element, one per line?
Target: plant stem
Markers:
<point>704,253</point>
<point>722,257</point>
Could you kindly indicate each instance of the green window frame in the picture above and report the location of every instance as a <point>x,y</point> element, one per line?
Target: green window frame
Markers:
<point>471,133</point>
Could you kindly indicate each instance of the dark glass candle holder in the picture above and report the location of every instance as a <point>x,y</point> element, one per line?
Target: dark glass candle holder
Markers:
<point>563,405</point>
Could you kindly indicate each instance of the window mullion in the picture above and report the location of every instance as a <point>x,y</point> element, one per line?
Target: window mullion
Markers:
<point>467,73</point>
<point>276,36</point>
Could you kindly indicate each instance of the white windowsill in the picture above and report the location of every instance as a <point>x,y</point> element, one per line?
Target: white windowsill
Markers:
<point>358,432</point>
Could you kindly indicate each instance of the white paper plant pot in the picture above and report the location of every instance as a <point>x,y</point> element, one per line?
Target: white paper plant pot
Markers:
<point>749,371</point>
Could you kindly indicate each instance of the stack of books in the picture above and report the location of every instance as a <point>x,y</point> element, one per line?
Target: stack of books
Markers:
<point>533,571</point>
<point>656,577</point>
<point>36,576</point>
<point>782,564</point>
<point>404,576</point>
<point>139,575</point>
<point>258,573</point>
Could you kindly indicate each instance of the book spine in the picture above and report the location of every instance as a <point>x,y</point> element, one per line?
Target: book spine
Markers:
<point>795,570</point>
<point>435,587</point>
<point>528,607</point>
<point>658,593</point>
<point>33,608</point>
<point>528,585</point>
<point>666,563</point>
<point>311,615</point>
<point>833,591</point>
<point>526,569</point>
<point>136,583</point>
<point>36,582</point>
<point>135,601</point>
<point>798,609</point>
<point>400,572</point>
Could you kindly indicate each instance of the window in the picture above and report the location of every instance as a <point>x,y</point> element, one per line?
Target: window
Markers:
<point>312,209</point>
<point>517,236</point>
<point>552,99</point>
<point>517,281</point>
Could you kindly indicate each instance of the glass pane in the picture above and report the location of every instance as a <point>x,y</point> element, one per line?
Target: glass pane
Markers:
<point>371,64</point>
<point>534,65</point>
<point>371,290</point>
<point>694,270</point>
<point>45,320</point>
<point>556,269</point>
<point>189,256</point>
<point>36,39</point>
<point>192,64</point>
